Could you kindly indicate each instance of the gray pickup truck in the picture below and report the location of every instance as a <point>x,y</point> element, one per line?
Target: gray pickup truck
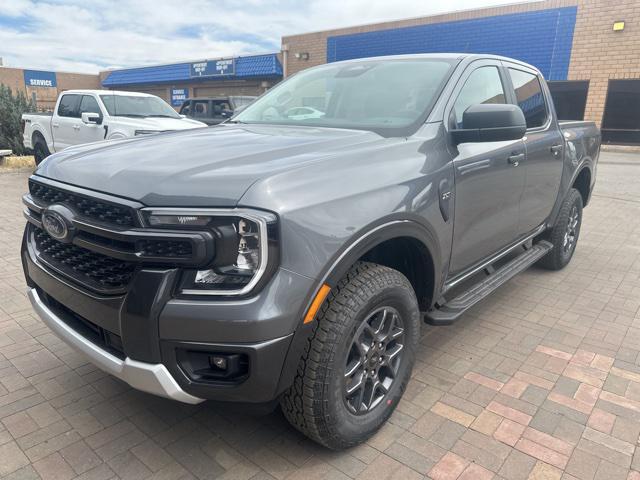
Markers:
<point>292,258</point>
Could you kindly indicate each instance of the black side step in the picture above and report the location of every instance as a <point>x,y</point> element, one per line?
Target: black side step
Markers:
<point>453,309</point>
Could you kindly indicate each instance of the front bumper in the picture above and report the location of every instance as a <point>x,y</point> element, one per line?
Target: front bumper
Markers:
<point>155,328</point>
<point>148,377</point>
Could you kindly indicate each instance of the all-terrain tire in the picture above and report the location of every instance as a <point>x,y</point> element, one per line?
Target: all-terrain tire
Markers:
<point>567,227</point>
<point>315,403</point>
<point>40,149</point>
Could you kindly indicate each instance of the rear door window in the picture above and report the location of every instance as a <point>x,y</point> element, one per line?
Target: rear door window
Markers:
<point>68,106</point>
<point>529,97</point>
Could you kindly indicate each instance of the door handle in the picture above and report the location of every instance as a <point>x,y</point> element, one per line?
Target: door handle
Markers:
<point>76,127</point>
<point>55,125</point>
<point>515,159</point>
<point>556,150</point>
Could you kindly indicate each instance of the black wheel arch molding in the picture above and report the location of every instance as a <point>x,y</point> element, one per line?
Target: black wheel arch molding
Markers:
<point>401,225</point>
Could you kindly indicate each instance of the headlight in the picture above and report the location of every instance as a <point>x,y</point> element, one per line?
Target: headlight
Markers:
<point>146,132</point>
<point>245,245</point>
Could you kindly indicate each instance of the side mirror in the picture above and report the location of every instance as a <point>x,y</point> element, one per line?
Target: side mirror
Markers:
<point>491,123</point>
<point>91,118</point>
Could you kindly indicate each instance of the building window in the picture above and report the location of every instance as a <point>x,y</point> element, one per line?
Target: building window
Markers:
<point>570,98</point>
<point>621,120</point>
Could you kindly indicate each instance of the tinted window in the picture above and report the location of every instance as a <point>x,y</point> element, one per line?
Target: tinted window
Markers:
<point>387,96</point>
<point>200,108</point>
<point>482,86</point>
<point>68,106</point>
<point>529,96</point>
<point>88,104</point>
<point>219,107</point>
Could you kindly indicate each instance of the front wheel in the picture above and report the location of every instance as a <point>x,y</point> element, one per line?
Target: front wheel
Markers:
<point>358,360</point>
<point>40,150</point>
<point>565,232</point>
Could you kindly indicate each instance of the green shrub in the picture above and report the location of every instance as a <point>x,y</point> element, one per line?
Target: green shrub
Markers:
<point>11,109</point>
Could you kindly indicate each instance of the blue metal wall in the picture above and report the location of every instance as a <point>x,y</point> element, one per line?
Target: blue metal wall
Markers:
<point>542,38</point>
<point>256,66</point>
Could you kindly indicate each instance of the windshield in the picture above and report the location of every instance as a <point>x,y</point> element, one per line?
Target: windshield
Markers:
<point>135,106</point>
<point>387,96</point>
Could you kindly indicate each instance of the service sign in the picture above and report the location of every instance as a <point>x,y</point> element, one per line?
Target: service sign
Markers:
<point>36,78</point>
<point>178,96</point>
<point>213,68</point>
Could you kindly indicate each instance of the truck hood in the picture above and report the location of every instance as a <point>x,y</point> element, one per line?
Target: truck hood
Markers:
<point>158,123</point>
<point>204,167</point>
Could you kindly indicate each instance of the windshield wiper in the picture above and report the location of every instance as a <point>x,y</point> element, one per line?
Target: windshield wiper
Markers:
<point>163,116</point>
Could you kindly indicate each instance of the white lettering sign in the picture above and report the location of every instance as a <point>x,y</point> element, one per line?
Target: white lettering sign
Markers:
<point>37,82</point>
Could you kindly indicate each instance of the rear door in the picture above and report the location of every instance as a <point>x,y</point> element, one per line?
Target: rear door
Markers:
<point>544,146</point>
<point>66,121</point>
<point>488,179</point>
<point>90,132</point>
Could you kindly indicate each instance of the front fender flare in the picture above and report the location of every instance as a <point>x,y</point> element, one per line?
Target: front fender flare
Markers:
<point>396,226</point>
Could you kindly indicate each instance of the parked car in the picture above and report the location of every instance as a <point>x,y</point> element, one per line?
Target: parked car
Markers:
<point>213,111</point>
<point>294,259</point>
<point>85,116</point>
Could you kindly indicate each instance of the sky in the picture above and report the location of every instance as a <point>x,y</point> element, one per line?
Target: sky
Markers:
<point>89,36</point>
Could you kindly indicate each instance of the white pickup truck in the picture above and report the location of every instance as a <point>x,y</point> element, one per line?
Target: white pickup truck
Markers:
<point>85,116</point>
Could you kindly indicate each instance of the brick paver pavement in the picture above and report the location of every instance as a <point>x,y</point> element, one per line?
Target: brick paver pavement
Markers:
<point>540,381</point>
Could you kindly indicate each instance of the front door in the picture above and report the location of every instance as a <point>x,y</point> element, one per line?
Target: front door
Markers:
<point>90,132</point>
<point>488,177</point>
<point>544,146</point>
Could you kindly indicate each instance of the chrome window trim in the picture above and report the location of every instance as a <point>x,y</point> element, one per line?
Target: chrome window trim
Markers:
<point>259,216</point>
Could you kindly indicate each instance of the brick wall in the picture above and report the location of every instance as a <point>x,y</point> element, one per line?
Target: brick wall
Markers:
<point>598,53</point>
<point>46,96</point>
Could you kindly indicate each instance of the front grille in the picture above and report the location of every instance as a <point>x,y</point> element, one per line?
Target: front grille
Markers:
<point>99,210</point>
<point>164,248</point>
<point>84,266</point>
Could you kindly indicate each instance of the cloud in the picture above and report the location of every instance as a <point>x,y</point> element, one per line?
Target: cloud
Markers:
<point>75,35</point>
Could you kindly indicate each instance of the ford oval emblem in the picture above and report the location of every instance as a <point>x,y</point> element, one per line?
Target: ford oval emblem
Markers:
<point>56,225</point>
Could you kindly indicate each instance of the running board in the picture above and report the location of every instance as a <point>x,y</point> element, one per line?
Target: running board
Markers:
<point>452,310</point>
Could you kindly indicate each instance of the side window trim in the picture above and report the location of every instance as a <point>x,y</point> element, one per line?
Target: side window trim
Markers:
<point>514,98</point>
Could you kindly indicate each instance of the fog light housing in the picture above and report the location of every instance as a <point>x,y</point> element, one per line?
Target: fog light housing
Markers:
<point>214,367</point>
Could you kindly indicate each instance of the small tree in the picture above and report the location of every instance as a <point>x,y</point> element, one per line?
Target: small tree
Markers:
<point>11,109</point>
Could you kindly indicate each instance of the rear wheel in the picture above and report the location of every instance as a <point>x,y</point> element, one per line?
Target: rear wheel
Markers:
<point>40,149</point>
<point>358,360</point>
<point>565,232</point>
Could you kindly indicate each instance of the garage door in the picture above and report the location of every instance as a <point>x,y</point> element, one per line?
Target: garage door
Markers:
<point>569,98</point>
<point>621,121</point>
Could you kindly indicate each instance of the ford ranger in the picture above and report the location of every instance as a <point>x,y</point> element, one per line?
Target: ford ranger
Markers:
<point>86,116</point>
<point>294,259</point>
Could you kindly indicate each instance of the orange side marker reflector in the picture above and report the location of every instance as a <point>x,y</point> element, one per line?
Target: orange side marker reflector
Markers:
<point>317,302</point>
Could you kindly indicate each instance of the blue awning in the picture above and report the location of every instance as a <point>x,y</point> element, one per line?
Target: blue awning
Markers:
<point>255,66</point>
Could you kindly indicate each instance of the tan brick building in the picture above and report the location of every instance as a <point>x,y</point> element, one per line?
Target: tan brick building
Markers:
<point>589,57</point>
<point>20,80</point>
